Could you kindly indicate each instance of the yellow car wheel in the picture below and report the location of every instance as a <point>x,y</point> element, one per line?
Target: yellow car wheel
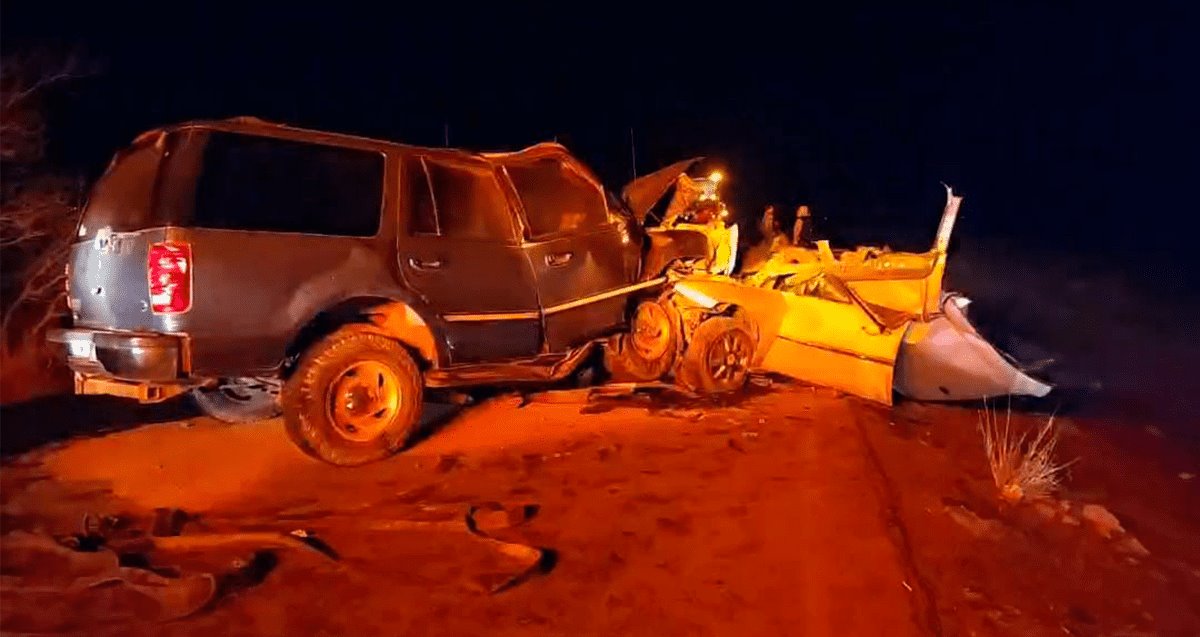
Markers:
<point>718,357</point>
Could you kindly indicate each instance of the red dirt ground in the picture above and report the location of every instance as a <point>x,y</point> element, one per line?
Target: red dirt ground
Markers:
<point>792,512</point>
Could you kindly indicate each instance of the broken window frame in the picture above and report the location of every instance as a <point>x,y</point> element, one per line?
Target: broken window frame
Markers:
<point>410,178</point>
<point>589,223</point>
<point>501,228</point>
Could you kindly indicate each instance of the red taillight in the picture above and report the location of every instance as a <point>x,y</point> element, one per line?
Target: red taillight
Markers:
<point>169,265</point>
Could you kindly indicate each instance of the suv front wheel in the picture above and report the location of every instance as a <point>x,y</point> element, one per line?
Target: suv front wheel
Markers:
<point>354,398</point>
<point>648,351</point>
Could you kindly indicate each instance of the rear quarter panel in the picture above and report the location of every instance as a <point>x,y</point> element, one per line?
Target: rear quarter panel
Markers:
<point>252,292</point>
<point>109,285</point>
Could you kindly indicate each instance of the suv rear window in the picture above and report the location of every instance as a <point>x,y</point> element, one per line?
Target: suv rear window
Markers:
<point>277,185</point>
<point>121,200</point>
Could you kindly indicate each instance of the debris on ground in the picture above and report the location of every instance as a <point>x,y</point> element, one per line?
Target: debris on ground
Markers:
<point>482,519</point>
<point>685,414</point>
<point>1102,520</point>
<point>975,525</point>
<point>1132,546</point>
<point>1045,510</point>
<point>493,516</point>
<point>49,587</point>
<point>116,572</point>
<point>305,541</point>
<point>562,397</point>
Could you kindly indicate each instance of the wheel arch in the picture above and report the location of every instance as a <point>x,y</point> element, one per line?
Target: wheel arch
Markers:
<point>393,318</point>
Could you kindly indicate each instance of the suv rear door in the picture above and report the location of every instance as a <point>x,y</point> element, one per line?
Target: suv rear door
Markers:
<point>459,249</point>
<point>583,259</point>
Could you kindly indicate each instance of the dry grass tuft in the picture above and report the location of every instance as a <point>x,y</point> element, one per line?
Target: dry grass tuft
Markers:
<point>1021,467</point>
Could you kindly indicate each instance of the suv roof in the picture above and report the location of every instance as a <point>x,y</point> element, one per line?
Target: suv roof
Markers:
<point>256,126</point>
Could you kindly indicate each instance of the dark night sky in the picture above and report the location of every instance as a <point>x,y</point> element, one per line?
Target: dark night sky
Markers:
<point>1067,126</point>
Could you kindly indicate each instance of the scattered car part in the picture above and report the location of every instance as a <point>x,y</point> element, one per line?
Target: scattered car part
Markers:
<point>479,521</point>
<point>538,560</point>
<point>641,194</point>
<point>49,587</point>
<point>867,322</point>
<point>947,359</point>
<point>239,400</point>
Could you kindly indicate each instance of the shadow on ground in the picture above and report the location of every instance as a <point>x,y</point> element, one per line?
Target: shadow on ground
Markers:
<point>30,424</point>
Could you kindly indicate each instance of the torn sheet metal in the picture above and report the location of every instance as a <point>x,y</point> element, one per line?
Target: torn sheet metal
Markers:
<point>867,321</point>
<point>643,193</point>
<point>696,209</point>
<point>836,345</point>
<point>820,332</point>
<point>947,359</point>
<point>905,281</point>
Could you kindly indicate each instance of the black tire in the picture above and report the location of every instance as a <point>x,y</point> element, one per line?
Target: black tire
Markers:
<point>237,402</point>
<point>349,363</point>
<point>646,356</point>
<point>718,357</point>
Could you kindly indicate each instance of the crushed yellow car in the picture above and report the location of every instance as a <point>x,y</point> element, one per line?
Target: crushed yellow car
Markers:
<point>869,322</point>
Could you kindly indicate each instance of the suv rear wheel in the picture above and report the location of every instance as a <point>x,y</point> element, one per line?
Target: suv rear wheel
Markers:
<point>238,400</point>
<point>354,398</point>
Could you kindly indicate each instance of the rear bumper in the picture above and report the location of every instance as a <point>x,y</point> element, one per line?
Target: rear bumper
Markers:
<point>146,367</point>
<point>121,355</point>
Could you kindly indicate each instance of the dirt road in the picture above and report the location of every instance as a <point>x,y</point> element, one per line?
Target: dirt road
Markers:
<point>790,512</point>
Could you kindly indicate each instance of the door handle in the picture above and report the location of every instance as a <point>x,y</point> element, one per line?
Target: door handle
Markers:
<point>558,259</point>
<point>424,265</point>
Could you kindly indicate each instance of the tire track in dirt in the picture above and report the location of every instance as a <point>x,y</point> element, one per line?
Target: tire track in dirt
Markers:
<point>925,608</point>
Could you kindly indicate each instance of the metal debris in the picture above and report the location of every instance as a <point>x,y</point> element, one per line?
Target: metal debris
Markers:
<point>50,587</point>
<point>538,560</point>
<point>867,322</point>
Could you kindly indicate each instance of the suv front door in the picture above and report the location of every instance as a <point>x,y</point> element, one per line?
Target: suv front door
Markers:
<point>579,254</point>
<point>459,249</point>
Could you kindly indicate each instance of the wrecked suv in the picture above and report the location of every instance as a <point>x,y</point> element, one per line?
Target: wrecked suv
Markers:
<point>261,268</point>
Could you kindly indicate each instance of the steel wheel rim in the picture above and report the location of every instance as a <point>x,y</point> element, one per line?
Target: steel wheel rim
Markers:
<point>728,356</point>
<point>363,400</point>
<point>651,331</point>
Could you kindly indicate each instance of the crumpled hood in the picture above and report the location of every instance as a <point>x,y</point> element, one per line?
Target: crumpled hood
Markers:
<point>642,193</point>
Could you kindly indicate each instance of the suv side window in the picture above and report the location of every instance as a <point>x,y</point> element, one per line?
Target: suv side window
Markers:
<point>278,185</point>
<point>467,201</point>
<point>557,197</point>
<point>422,215</point>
